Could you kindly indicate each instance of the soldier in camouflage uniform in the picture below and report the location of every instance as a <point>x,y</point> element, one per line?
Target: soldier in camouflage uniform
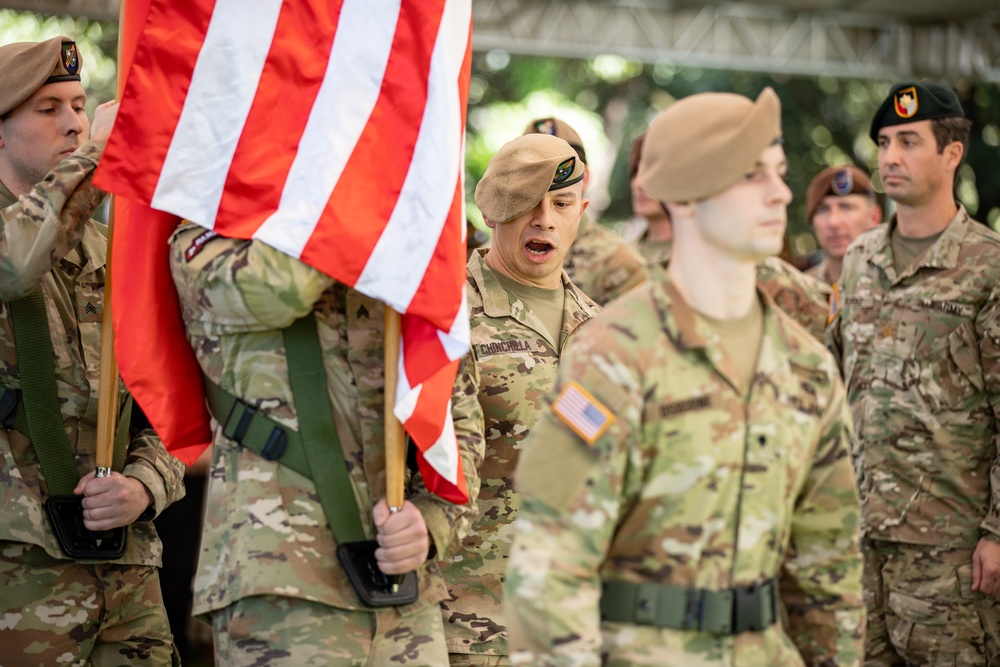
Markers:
<point>840,204</point>
<point>268,573</point>
<point>918,339</point>
<point>524,309</point>
<point>55,610</point>
<point>695,433</point>
<point>600,263</point>
<point>799,295</point>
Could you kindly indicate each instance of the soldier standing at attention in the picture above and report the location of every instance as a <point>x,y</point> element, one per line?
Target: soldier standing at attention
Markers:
<point>918,339</point>
<point>696,432</point>
<point>57,609</point>
<point>806,299</point>
<point>270,578</point>
<point>840,204</point>
<point>523,310</point>
<point>600,263</point>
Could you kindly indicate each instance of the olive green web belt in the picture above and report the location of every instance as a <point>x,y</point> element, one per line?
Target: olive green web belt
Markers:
<point>726,612</point>
<point>34,409</point>
<point>314,450</point>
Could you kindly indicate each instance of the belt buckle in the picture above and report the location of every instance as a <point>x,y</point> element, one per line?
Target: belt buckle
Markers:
<point>747,613</point>
<point>694,609</point>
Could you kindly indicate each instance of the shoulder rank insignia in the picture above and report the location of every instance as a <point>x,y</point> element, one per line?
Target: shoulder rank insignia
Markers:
<point>583,413</point>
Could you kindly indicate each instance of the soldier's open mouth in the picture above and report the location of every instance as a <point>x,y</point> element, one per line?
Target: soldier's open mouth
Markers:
<point>538,247</point>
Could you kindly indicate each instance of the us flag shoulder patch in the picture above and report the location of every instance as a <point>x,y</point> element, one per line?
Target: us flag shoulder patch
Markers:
<point>583,413</point>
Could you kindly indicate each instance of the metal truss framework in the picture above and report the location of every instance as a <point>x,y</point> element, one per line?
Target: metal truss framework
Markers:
<point>766,37</point>
<point>744,37</point>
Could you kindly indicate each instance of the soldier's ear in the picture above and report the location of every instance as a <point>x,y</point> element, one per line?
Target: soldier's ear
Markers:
<point>489,223</point>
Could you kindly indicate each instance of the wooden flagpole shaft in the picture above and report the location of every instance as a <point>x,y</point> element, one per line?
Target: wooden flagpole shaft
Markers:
<point>107,393</point>
<point>107,397</point>
<point>395,441</point>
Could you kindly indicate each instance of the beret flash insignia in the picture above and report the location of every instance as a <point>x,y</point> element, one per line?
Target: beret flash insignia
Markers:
<point>906,102</point>
<point>843,182</point>
<point>70,60</point>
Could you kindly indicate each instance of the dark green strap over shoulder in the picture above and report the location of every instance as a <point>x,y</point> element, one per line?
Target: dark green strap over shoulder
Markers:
<point>307,376</point>
<point>36,369</point>
<point>314,451</point>
<point>35,410</point>
<point>725,612</point>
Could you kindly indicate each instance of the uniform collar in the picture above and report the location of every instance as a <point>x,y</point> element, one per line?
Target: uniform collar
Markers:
<point>779,345</point>
<point>943,254</point>
<point>497,302</point>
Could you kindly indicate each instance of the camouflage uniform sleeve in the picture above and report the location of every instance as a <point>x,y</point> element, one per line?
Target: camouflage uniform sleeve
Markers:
<point>149,462</point>
<point>572,495</point>
<point>988,323</point>
<point>624,270</point>
<point>45,224</point>
<point>446,522</point>
<point>822,591</point>
<point>254,288</point>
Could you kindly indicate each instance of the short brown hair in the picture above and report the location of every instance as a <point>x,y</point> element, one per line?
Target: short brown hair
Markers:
<point>947,130</point>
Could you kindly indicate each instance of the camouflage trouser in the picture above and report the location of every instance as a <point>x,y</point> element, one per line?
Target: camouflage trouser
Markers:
<point>272,631</point>
<point>922,609</point>
<point>58,612</point>
<point>477,660</point>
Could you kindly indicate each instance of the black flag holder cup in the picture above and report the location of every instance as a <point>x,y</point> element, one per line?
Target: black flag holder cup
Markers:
<point>76,540</point>
<point>374,587</point>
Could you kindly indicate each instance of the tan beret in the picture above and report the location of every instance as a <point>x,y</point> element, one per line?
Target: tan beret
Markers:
<point>558,128</point>
<point>842,180</point>
<point>522,171</point>
<point>27,66</point>
<point>700,145</point>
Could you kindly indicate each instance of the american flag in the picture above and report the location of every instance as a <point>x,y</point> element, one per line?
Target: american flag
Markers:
<point>583,413</point>
<point>331,130</point>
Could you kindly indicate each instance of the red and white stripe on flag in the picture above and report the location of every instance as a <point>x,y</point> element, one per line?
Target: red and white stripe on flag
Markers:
<point>333,131</point>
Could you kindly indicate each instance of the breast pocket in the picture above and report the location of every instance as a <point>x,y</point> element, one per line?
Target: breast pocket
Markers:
<point>951,373</point>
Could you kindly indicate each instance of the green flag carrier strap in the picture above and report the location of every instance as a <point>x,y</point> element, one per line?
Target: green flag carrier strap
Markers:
<point>727,612</point>
<point>314,451</point>
<point>35,411</point>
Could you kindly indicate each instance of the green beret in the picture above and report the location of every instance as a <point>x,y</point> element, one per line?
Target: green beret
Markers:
<point>910,102</point>
<point>700,145</point>
<point>841,180</point>
<point>522,171</point>
<point>558,128</point>
<point>27,66</point>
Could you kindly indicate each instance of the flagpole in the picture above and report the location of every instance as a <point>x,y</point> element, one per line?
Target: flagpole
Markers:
<point>108,383</point>
<point>395,441</point>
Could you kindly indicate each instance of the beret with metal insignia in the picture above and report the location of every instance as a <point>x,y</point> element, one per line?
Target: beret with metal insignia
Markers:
<point>842,180</point>
<point>558,128</point>
<point>909,102</point>
<point>522,171</point>
<point>27,66</point>
<point>700,145</point>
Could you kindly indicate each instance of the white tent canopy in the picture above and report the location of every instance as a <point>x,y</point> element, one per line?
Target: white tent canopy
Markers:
<point>878,39</point>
